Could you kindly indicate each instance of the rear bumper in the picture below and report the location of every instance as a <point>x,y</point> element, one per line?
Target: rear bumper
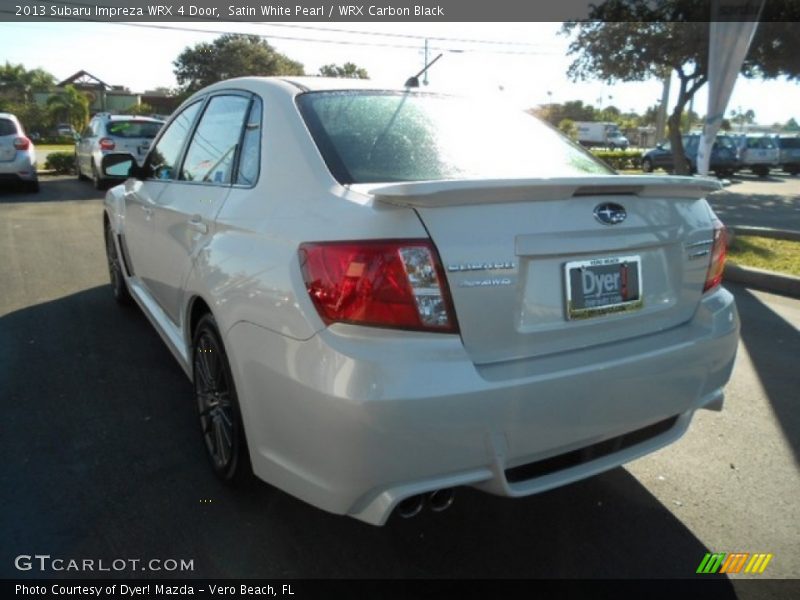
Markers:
<point>19,169</point>
<point>354,421</point>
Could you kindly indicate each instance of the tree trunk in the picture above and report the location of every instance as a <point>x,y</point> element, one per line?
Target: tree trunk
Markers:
<point>680,164</point>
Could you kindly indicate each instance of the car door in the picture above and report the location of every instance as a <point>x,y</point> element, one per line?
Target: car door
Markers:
<point>663,156</point>
<point>161,168</point>
<point>185,211</point>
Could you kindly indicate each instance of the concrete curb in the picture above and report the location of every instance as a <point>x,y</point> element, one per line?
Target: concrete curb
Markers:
<point>788,285</point>
<point>767,232</point>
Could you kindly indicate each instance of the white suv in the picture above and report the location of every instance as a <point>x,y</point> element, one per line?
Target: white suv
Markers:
<point>17,154</point>
<point>759,153</point>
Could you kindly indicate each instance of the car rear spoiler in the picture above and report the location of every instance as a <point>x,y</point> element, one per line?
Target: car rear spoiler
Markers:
<point>488,191</point>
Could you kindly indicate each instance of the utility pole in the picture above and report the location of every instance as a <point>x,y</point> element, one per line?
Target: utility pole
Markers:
<point>661,120</point>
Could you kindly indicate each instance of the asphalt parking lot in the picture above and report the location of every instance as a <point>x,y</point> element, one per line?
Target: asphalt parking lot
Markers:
<point>104,459</point>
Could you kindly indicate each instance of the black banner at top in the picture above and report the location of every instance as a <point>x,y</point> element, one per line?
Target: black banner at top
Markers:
<point>370,10</point>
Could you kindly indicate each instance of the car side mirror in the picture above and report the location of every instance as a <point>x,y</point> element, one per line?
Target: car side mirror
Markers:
<point>118,165</point>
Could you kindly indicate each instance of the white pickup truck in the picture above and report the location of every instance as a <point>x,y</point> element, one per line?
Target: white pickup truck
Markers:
<point>608,135</point>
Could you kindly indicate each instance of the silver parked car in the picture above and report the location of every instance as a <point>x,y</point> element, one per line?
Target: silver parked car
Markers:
<point>758,153</point>
<point>112,134</point>
<point>377,304</point>
<point>17,155</point>
<point>790,153</point>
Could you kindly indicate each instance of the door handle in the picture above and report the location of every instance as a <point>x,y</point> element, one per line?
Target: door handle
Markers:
<point>196,223</point>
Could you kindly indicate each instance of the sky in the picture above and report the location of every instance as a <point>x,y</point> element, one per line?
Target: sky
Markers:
<point>525,62</point>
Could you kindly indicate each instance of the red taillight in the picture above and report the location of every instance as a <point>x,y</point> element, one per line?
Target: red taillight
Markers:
<point>397,283</point>
<point>22,143</point>
<point>107,144</point>
<point>719,251</point>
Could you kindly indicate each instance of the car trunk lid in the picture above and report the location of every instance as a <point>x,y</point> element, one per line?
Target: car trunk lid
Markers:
<point>512,249</point>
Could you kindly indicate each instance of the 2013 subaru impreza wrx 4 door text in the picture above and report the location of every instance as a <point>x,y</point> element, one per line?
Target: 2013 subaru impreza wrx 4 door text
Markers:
<point>383,294</point>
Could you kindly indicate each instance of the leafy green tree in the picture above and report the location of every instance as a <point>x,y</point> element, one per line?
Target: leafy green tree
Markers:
<point>347,71</point>
<point>637,40</point>
<point>142,108</point>
<point>70,106</point>
<point>567,127</point>
<point>17,84</point>
<point>230,55</point>
<point>791,125</point>
<point>743,117</point>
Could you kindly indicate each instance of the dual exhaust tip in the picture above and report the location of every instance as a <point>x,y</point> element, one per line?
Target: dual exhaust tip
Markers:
<point>438,501</point>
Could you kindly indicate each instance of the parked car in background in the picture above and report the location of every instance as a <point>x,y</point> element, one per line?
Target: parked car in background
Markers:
<point>596,134</point>
<point>758,153</point>
<point>790,153</point>
<point>112,134</point>
<point>377,304</point>
<point>66,130</point>
<point>723,160</point>
<point>17,155</point>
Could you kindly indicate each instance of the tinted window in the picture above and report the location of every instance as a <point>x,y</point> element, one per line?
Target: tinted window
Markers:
<point>765,143</point>
<point>725,142</point>
<point>250,156</point>
<point>790,142</point>
<point>7,127</point>
<point>165,154</point>
<point>380,136</point>
<point>133,129</point>
<point>211,153</point>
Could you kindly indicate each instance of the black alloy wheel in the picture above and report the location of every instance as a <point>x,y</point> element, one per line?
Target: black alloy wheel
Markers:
<point>218,406</point>
<point>115,272</point>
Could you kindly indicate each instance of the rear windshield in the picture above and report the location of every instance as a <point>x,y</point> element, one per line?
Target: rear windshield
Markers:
<point>133,129</point>
<point>370,136</point>
<point>8,127</point>
<point>790,142</point>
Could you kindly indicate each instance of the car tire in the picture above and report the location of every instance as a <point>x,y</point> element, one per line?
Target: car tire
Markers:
<point>647,165</point>
<point>220,418</point>
<point>761,171</point>
<point>32,187</point>
<point>81,176</point>
<point>118,284</point>
<point>98,182</point>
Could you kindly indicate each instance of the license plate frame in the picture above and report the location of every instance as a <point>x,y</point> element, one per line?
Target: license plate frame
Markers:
<point>624,273</point>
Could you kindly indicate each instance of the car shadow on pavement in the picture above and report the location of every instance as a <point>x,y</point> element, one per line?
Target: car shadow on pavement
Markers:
<point>52,189</point>
<point>107,462</point>
<point>774,347</point>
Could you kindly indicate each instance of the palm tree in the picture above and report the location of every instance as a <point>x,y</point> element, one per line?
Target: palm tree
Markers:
<point>70,106</point>
<point>17,84</point>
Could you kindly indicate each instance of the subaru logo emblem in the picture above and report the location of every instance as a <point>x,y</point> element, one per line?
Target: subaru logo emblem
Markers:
<point>610,213</point>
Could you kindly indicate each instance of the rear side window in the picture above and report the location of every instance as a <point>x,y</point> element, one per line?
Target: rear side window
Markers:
<point>213,147</point>
<point>374,136</point>
<point>8,127</point>
<point>790,142</point>
<point>250,156</point>
<point>133,129</point>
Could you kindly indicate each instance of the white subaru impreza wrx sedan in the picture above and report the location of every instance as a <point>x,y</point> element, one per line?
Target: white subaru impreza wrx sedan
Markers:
<point>383,294</point>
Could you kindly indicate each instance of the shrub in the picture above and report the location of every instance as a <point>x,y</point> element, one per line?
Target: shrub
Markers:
<point>620,159</point>
<point>60,162</point>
